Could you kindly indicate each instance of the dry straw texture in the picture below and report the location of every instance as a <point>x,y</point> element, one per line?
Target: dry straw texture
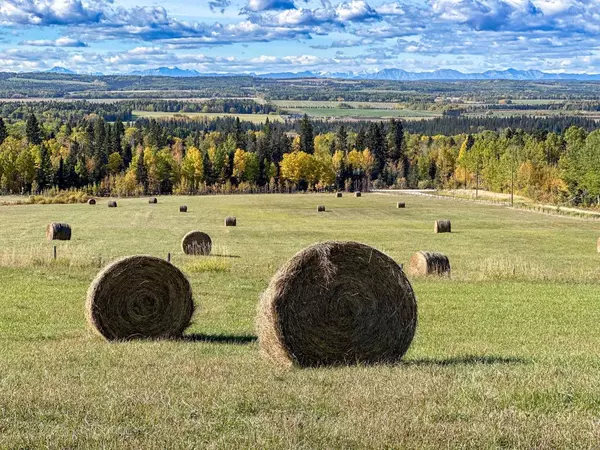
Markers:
<point>598,245</point>
<point>92,201</point>
<point>112,204</point>
<point>230,221</point>
<point>337,303</point>
<point>357,194</point>
<point>58,231</point>
<point>196,243</point>
<point>183,208</point>
<point>442,226</point>
<point>338,195</point>
<point>428,263</point>
<point>153,200</point>
<point>401,205</point>
<point>140,297</point>
<point>321,208</point>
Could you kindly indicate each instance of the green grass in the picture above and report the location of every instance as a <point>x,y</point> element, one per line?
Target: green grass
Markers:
<point>366,113</point>
<point>256,118</point>
<point>505,356</point>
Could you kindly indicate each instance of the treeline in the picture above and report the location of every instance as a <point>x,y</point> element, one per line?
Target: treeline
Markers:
<point>228,106</point>
<point>148,157</point>
<point>71,111</point>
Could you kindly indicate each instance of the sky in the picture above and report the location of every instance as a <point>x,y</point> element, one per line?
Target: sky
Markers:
<point>259,36</point>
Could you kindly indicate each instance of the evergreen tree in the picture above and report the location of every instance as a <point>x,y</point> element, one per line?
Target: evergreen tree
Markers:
<point>376,143</point>
<point>32,130</point>
<point>3,132</point>
<point>60,175</point>
<point>141,173</point>
<point>396,141</point>
<point>240,141</point>
<point>307,138</point>
<point>341,139</point>
<point>44,173</point>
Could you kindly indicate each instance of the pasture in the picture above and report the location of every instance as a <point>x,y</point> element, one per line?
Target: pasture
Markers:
<point>254,118</point>
<point>506,352</point>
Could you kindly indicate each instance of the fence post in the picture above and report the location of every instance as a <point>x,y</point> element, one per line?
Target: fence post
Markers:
<point>54,252</point>
<point>169,257</point>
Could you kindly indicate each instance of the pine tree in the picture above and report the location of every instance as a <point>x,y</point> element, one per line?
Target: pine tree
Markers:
<point>376,143</point>
<point>342,139</point>
<point>32,130</point>
<point>307,138</point>
<point>44,173</point>
<point>141,172</point>
<point>3,132</point>
<point>396,141</point>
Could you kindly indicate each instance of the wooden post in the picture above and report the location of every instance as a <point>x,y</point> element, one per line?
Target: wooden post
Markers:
<point>55,252</point>
<point>169,257</point>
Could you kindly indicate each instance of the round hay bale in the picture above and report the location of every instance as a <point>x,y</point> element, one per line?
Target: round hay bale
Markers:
<point>183,208</point>
<point>153,200</point>
<point>230,221</point>
<point>357,194</point>
<point>140,297</point>
<point>338,195</point>
<point>400,205</point>
<point>112,204</point>
<point>337,303</point>
<point>442,226</point>
<point>56,231</point>
<point>321,208</point>
<point>428,263</point>
<point>196,243</point>
<point>92,201</point>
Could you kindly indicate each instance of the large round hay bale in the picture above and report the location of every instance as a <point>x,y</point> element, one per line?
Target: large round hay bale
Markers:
<point>153,200</point>
<point>56,231</point>
<point>140,297</point>
<point>112,204</point>
<point>357,194</point>
<point>442,226</point>
<point>400,205</point>
<point>196,243</point>
<point>91,201</point>
<point>338,195</point>
<point>428,263</point>
<point>321,208</point>
<point>230,221</point>
<point>337,303</point>
<point>183,208</point>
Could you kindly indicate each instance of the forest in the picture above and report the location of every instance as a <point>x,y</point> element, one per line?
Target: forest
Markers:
<point>229,155</point>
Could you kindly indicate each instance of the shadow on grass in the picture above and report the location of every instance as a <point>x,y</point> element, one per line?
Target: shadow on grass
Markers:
<point>224,256</point>
<point>220,338</point>
<point>473,360</point>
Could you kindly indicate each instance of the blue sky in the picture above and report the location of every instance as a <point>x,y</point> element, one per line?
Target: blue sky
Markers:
<point>119,36</point>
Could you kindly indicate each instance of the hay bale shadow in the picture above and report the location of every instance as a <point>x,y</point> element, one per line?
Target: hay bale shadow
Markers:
<point>473,360</point>
<point>220,338</point>
<point>217,255</point>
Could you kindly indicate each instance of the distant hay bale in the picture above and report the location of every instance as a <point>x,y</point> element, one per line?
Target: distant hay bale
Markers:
<point>196,243</point>
<point>230,221</point>
<point>442,226</point>
<point>56,231</point>
<point>429,263</point>
<point>92,201</point>
<point>357,194</point>
<point>338,195</point>
<point>153,200</point>
<point>400,205</point>
<point>140,297</point>
<point>112,204</point>
<point>337,303</point>
<point>321,208</point>
<point>183,208</point>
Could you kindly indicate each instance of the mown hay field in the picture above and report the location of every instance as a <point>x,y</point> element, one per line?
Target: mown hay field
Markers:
<point>506,352</point>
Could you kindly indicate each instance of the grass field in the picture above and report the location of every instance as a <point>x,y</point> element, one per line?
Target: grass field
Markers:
<point>256,118</point>
<point>506,353</point>
<point>364,113</point>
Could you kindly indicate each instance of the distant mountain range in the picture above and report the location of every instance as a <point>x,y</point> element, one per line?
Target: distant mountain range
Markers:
<point>385,74</point>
